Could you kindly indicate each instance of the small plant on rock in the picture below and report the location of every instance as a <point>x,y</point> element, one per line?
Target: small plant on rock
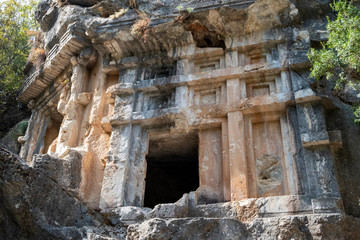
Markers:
<point>141,26</point>
<point>180,8</point>
<point>189,9</point>
<point>37,57</point>
<point>36,54</point>
<point>132,4</point>
<point>181,17</point>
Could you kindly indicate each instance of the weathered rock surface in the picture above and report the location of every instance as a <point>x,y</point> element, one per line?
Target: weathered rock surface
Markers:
<point>65,172</point>
<point>326,226</point>
<point>36,206</point>
<point>126,215</point>
<point>340,116</point>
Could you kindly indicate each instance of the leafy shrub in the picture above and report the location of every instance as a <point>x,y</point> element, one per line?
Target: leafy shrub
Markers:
<point>16,19</point>
<point>339,58</point>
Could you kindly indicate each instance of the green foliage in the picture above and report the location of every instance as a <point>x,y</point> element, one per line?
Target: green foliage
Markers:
<point>180,8</point>
<point>341,53</point>
<point>189,9</point>
<point>16,21</point>
<point>22,127</point>
<point>339,59</point>
<point>356,110</point>
<point>19,130</point>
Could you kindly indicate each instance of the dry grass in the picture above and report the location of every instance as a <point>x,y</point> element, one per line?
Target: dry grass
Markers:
<point>141,26</point>
<point>132,4</point>
<point>37,56</point>
<point>62,3</point>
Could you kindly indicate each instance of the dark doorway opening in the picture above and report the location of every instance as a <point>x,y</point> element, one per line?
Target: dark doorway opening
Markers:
<point>172,167</point>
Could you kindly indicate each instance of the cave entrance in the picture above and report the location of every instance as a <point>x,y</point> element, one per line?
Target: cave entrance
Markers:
<point>203,37</point>
<point>172,167</point>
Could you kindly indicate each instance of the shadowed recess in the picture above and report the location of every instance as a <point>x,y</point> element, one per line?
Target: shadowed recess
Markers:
<point>172,168</point>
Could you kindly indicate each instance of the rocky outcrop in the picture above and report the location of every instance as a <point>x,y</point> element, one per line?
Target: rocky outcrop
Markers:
<point>325,226</point>
<point>35,205</point>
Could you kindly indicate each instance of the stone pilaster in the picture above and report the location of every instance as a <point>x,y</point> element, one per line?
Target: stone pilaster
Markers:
<point>68,134</point>
<point>123,182</point>
<point>317,156</point>
<point>237,148</point>
<point>210,166</point>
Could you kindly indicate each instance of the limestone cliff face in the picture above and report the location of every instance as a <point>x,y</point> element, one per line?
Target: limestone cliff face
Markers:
<point>197,122</point>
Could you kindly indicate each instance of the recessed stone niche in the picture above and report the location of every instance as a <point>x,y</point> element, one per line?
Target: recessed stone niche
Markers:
<point>261,88</point>
<point>258,55</point>
<point>268,154</point>
<point>267,142</point>
<point>207,97</point>
<point>159,100</point>
<point>207,59</point>
<point>52,131</point>
<point>207,65</point>
<point>161,71</point>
